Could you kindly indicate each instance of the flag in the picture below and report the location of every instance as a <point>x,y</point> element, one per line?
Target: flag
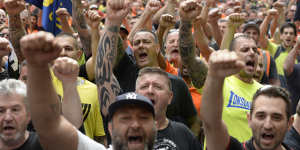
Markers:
<point>49,21</point>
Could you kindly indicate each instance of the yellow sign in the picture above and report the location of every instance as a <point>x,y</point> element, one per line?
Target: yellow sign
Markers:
<point>46,3</point>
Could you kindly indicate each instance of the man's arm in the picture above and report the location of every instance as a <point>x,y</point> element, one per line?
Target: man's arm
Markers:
<point>108,86</point>
<point>263,38</point>
<point>234,21</point>
<point>93,20</point>
<point>169,8</point>
<point>54,131</point>
<point>290,60</point>
<point>221,63</point>
<point>189,10</point>
<point>66,70</point>
<point>213,17</point>
<point>15,25</point>
<point>81,26</point>
<point>166,22</point>
<point>145,21</point>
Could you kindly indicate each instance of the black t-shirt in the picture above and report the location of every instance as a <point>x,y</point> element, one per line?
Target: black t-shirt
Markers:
<point>176,137</point>
<point>181,107</point>
<point>234,144</point>
<point>32,143</point>
<point>4,75</point>
<point>292,139</point>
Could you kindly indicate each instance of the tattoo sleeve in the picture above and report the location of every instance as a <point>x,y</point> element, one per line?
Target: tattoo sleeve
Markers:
<point>16,32</point>
<point>196,67</point>
<point>81,26</point>
<point>108,86</point>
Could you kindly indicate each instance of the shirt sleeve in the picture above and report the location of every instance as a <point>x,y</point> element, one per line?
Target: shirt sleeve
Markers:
<point>85,143</point>
<point>272,47</point>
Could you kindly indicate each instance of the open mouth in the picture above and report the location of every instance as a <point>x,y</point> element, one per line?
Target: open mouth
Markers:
<point>175,51</point>
<point>153,102</point>
<point>8,129</point>
<point>135,139</point>
<point>267,137</point>
<point>143,55</point>
<point>250,63</point>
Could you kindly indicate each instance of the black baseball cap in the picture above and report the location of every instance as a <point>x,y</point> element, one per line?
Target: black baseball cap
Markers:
<point>130,98</point>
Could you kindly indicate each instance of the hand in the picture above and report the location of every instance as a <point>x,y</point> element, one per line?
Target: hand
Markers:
<point>211,3</point>
<point>167,20</point>
<point>237,9</point>
<point>116,11</point>
<point>152,6</point>
<point>279,6</point>
<point>189,10</point>
<point>272,13</point>
<point>39,49</point>
<point>235,20</point>
<point>4,47</point>
<point>14,7</point>
<point>62,13</point>
<point>93,19</point>
<point>224,63</point>
<point>66,70</point>
<point>214,15</point>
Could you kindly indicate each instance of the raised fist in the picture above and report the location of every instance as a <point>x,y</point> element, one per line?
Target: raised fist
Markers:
<point>93,18</point>
<point>62,13</point>
<point>116,11</point>
<point>235,20</point>
<point>279,6</point>
<point>272,12</point>
<point>224,63</point>
<point>167,20</point>
<point>152,6</point>
<point>66,69</point>
<point>39,49</point>
<point>4,47</point>
<point>189,10</point>
<point>14,7</point>
<point>214,15</point>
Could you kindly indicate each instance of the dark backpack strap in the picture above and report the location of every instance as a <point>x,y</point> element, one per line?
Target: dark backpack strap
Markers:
<point>278,51</point>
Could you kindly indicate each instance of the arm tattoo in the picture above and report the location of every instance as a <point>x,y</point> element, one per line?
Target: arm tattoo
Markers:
<point>16,32</point>
<point>108,86</point>
<point>196,67</point>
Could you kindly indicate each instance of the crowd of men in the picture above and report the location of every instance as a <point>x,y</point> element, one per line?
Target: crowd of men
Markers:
<point>143,75</point>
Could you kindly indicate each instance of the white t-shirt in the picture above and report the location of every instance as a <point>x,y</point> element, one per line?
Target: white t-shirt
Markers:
<point>85,143</point>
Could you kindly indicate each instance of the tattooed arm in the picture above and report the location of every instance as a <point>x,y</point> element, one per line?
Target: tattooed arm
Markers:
<point>196,67</point>
<point>108,86</point>
<point>81,26</point>
<point>15,25</point>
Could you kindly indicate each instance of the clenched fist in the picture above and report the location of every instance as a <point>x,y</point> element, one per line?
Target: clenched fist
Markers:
<point>116,11</point>
<point>14,7</point>
<point>66,69</point>
<point>39,48</point>
<point>224,63</point>
<point>189,10</point>
<point>93,19</point>
<point>235,20</point>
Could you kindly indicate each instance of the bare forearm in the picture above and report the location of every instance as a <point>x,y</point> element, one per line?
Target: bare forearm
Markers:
<point>71,105</point>
<point>202,42</point>
<point>263,32</point>
<point>44,102</point>
<point>108,86</point>
<point>81,26</point>
<point>216,33</point>
<point>196,67</point>
<point>16,32</point>
<point>91,63</point>
<point>65,27</point>
<point>141,24</point>
<point>290,62</point>
<point>227,38</point>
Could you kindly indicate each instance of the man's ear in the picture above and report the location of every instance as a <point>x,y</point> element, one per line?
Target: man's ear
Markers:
<point>290,122</point>
<point>79,53</point>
